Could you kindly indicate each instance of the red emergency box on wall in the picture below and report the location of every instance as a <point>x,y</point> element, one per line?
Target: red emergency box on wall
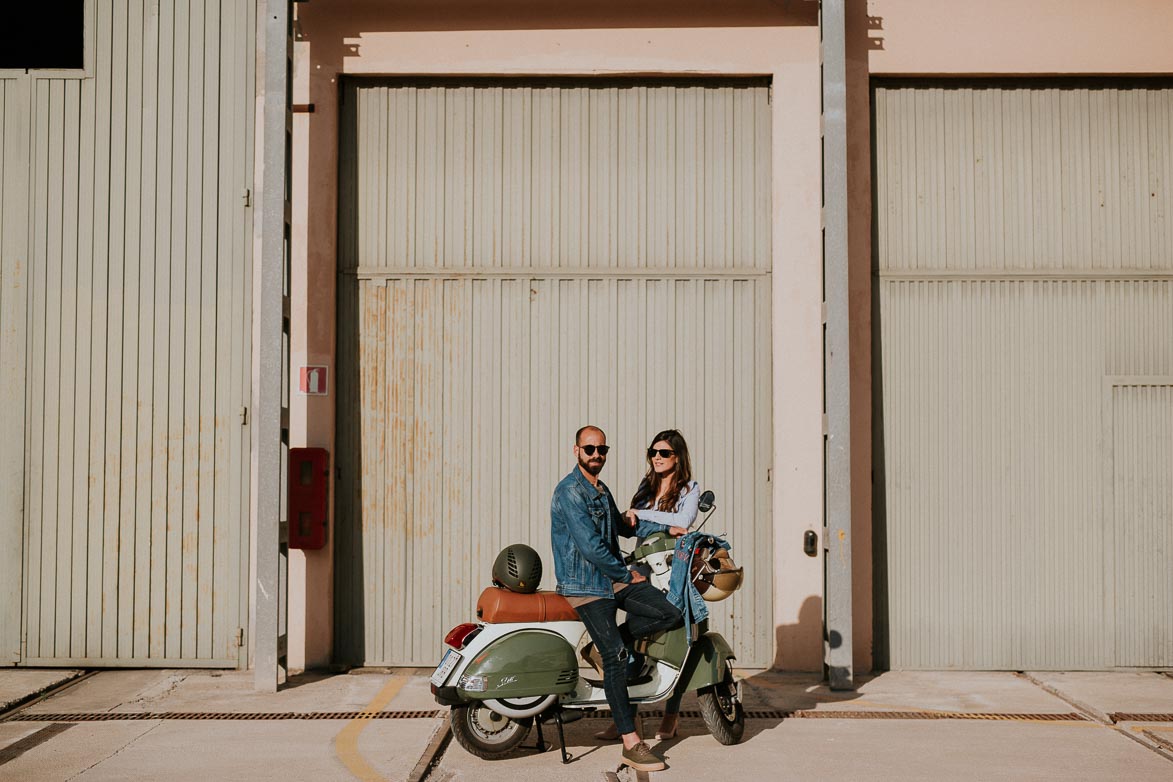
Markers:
<point>309,475</point>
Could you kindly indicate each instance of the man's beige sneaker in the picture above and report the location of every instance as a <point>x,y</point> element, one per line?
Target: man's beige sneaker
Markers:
<point>641,758</point>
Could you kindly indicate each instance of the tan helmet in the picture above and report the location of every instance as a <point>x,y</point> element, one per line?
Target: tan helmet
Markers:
<point>715,575</point>
<point>724,581</point>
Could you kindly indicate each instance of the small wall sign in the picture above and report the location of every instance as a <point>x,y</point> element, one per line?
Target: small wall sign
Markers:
<point>314,381</point>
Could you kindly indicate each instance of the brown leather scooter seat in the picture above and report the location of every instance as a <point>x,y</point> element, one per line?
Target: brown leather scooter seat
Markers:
<point>497,606</point>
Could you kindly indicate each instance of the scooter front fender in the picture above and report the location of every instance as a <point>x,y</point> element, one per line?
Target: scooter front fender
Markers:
<point>518,665</point>
<point>706,663</point>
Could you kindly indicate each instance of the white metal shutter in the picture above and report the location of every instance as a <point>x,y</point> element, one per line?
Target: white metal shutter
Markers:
<point>134,255</point>
<point>520,259</point>
<point>1025,258</point>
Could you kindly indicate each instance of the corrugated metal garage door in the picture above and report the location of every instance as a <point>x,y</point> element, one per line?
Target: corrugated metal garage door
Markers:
<point>1141,506</point>
<point>1025,259</point>
<point>14,141</point>
<point>520,259</point>
<point>131,252</point>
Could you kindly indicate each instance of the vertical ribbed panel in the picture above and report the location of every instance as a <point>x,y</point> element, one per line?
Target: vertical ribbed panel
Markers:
<point>460,418</point>
<point>1142,506</point>
<point>14,160</point>
<point>523,259</point>
<point>136,478</point>
<point>1024,178</point>
<point>1001,521</point>
<point>561,175</point>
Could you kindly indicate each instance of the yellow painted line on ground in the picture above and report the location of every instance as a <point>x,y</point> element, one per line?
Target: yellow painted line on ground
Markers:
<point>346,742</point>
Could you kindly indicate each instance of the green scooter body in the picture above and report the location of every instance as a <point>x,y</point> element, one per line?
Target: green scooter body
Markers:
<point>703,662</point>
<point>538,662</point>
<point>521,664</point>
<point>707,662</point>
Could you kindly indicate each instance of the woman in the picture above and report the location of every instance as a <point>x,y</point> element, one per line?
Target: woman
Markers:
<point>666,495</point>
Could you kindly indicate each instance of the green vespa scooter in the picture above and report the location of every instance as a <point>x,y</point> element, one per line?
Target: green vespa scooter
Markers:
<point>516,665</point>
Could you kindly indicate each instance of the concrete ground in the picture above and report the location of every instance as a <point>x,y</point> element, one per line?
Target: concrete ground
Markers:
<point>800,730</point>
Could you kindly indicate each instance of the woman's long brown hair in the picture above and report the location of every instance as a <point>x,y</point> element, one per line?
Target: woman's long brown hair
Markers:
<point>649,486</point>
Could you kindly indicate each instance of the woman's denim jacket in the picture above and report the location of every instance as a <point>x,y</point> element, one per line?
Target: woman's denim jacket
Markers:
<point>584,530</point>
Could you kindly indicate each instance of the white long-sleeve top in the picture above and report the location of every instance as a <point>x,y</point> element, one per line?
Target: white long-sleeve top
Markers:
<point>686,508</point>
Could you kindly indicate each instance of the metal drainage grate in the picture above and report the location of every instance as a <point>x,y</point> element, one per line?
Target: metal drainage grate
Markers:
<point>1123,716</point>
<point>770,714</point>
<point>753,714</point>
<point>229,715</point>
<point>937,715</point>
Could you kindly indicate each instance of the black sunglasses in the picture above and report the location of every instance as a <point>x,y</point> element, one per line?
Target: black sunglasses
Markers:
<point>665,453</point>
<point>589,450</point>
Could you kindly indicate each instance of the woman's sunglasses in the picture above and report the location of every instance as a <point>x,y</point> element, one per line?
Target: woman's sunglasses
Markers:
<point>665,453</point>
<point>589,450</point>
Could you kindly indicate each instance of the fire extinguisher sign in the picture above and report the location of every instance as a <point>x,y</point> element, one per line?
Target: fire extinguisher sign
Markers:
<point>313,381</point>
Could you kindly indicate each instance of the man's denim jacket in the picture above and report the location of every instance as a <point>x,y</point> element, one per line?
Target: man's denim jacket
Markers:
<point>584,530</point>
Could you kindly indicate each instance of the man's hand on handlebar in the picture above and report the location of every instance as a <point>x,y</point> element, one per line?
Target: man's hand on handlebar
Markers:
<point>638,577</point>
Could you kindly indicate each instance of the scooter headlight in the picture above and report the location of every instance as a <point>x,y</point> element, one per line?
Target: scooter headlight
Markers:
<point>473,683</point>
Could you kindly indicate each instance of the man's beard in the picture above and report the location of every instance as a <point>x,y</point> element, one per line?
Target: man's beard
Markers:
<point>593,464</point>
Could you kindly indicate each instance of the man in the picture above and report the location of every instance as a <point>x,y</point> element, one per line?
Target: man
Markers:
<point>584,529</point>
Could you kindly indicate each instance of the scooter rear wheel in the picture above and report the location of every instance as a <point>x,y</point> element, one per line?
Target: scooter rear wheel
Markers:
<point>485,733</point>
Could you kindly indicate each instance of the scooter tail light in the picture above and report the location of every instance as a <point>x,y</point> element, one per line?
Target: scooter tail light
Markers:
<point>461,634</point>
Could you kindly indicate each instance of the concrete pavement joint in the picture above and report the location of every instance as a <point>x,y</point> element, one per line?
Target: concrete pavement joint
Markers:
<point>434,752</point>
<point>173,681</point>
<point>1100,717</point>
<point>1091,711</point>
<point>116,752</point>
<point>36,698</point>
<point>1165,743</point>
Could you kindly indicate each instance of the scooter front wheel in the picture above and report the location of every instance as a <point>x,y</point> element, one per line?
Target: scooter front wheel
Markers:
<point>722,710</point>
<point>485,733</point>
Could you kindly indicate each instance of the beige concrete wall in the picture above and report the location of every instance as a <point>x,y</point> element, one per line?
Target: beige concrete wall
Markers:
<point>912,37</point>
<point>531,38</point>
<point>739,37</point>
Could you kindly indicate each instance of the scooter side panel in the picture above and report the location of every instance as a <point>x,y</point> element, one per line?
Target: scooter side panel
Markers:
<point>521,664</point>
<point>670,646</point>
<point>706,664</point>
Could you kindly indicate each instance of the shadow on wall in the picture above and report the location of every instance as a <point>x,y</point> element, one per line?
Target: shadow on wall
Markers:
<point>881,650</point>
<point>797,636</point>
<point>350,599</point>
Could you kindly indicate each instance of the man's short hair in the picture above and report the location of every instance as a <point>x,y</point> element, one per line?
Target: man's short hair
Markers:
<point>587,428</point>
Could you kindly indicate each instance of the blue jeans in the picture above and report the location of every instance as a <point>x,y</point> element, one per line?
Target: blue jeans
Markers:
<point>648,612</point>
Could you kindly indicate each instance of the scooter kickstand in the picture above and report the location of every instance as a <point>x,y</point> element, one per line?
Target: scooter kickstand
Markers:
<point>541,747</point>
<point>561,737</point>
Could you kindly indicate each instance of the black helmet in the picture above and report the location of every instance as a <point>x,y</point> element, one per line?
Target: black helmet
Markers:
<point>518,568</point>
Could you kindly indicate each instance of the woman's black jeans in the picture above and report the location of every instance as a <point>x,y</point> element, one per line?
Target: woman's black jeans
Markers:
<point>648,612</point>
